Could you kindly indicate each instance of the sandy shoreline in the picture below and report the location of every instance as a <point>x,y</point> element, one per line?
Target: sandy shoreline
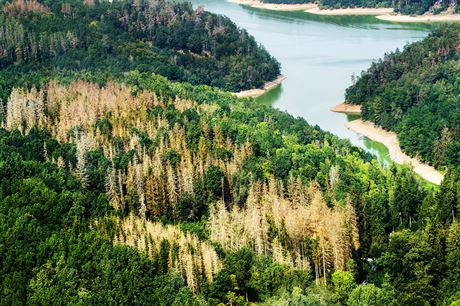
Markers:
<point>256,92</point>
<point>385,14</point>
<point>350,11</point>
<point>352,109</point>
<point>390,140</point>
<point>422,18</point>
<point>274,6</point>
<point>313,8</point>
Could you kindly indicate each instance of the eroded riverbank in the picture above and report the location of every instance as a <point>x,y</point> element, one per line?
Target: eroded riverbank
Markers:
<point>386,14</point>
<point>275,6</point>
<point>257,92</point>
<point>318,54</point>
<point>350,11</point>
<point>390,140</point>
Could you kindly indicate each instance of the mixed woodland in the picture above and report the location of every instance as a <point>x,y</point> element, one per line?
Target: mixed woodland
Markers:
<point>123,185</point>
<point>415,92</point>
<point>98,40</point>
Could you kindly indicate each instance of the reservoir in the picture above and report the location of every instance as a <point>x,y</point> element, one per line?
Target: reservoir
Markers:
<point>319,55</point>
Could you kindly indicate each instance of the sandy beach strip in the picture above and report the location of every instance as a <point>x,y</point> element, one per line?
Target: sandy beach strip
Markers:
<point>256,92</point>
<point>350,11</point>
<point>422,18</point>
<point>385,14</point>
<point>344,108</point>
<point>275,6</point>
<point>390,140</point>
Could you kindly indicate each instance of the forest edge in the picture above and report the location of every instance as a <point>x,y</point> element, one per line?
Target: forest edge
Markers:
<point>257,92</point>
<point>385,14</point>
<point>390,140</point>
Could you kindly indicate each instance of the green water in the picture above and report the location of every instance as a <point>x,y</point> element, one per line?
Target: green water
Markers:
<point>318,55</point>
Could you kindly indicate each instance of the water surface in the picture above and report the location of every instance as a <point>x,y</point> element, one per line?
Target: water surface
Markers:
<point>319,55</point>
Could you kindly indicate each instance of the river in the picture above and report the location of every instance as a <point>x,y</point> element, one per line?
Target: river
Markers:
<point>318,55</point>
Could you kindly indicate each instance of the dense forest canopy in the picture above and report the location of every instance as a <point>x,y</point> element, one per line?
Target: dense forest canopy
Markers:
<point>47,39</point>
<point>119,186</point>
<point>410,7</point>
<point>235,182</point>
<point>415,92</point>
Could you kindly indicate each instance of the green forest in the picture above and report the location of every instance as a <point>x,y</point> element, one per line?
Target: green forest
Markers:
<point>41,41</point>
<point>411,7</point>
<point>120,184</point>
<point>415,92</point>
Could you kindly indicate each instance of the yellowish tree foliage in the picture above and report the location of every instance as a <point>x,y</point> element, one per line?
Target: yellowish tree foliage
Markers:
<point>192,258</point>
<point>272,223</point>
<point>291,223</point>
<point>25,109</point>
<point>71,113</point>
<point>22,7</point>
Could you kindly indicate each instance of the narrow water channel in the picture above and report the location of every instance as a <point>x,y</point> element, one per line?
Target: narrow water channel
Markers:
<point>319,55</point>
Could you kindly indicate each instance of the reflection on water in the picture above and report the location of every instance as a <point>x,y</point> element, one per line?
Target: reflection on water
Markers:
<point>358,21</point>
<point>318,55</point>
<point>351,117</point>
<point>270,96</point>
<point>379,150</point>
<point>376,148</point>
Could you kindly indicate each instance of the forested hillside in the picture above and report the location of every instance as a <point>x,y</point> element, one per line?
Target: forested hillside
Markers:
<point>415,92</point>
<point>226,176</point>
<point>99,39</point>
<point>138,190</point>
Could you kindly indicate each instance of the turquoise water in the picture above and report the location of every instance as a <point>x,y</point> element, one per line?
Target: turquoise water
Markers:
<point>318,55</point>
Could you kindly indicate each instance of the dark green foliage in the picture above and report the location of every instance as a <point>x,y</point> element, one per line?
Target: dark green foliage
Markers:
<point>448,199</point>
<point>171,157</point>
<point>49,255</point>
<point>416,94</point>
<point>191,209</point>
<point>216,185</point>
<point>367,295</point>
<point>343,284</point>
<point>245,277</point>
<point>415,264</point>
<point>110,38</point>
<point>418,7</point>
<point>337,4</point>
<point>408,234</point>
<point>233,280</point>
<point>52,250</point>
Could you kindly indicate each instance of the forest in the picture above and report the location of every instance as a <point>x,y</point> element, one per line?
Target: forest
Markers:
<point>130,188</point>
<point>415,92</point>
<point>411,7</point>
<point>197,197</point>
<point>40,41</point>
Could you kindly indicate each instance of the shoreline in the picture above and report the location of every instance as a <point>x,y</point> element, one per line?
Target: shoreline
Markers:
<point>344,108</point>
<point>390,140</point>
<point>257,92</point>
<point>313,8</point>
<point>385,14</point>
<point>422,18</point>
<point>350,11</point>
<point>275,6</point>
